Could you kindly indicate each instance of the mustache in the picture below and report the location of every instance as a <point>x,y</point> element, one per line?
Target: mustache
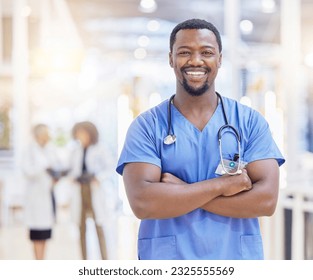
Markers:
<point>186,68</point>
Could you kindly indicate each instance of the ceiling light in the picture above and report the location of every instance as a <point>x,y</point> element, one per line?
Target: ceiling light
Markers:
<point>268,6</point>
<point>153,25</point>
<point>148,6</point>
<point>143,41</point>
<point>246,26</point>
<point>140,53</point>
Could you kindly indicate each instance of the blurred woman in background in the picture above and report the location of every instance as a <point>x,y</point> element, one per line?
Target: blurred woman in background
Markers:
<point>40,165</point>
<point>88,170</point>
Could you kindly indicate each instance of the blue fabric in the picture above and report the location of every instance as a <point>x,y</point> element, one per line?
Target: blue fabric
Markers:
<point>194,157</point>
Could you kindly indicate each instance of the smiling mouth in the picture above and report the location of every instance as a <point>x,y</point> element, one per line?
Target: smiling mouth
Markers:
<point>195,73</point>
<point>195,76</point>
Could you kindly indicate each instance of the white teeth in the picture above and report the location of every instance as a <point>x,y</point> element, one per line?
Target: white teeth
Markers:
<point>195,73</point>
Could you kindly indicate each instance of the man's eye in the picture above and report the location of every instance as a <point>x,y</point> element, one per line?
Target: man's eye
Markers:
<point>183,53</point>
<point>208,53</point>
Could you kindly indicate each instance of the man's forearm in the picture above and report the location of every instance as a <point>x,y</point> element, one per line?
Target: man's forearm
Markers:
<point>260,201</point>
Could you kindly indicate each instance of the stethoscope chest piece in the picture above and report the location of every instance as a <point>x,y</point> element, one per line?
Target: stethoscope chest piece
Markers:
<point>169,139</point>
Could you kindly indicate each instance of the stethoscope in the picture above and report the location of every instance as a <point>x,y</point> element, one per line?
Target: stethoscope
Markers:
<point>171,137</point>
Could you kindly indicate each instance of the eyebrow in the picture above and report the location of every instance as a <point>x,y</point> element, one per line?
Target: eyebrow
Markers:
<point>203,47</point>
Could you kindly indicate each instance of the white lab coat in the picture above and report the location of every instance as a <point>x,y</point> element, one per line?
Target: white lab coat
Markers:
<point>38,199</point>
<point>98,163</point>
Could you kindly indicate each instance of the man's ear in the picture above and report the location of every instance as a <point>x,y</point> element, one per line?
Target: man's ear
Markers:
<point>220,61</point>
<point>170,59</point>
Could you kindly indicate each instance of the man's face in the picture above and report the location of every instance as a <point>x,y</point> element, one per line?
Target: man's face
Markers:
<point>195,59</point>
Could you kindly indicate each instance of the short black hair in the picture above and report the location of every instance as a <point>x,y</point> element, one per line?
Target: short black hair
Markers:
<point>195,24</point>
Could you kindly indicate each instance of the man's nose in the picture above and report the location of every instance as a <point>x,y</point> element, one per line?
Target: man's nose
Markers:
<point>196,59</point>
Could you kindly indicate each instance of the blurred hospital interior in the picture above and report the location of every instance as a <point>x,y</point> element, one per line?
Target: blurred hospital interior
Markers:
<point>106,61</point>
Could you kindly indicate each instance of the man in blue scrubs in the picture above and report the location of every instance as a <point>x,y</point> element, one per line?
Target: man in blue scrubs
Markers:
<point>188,210</point>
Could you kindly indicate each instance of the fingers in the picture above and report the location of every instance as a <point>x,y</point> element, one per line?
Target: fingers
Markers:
<point>244,170</point>
<point>247,182</point>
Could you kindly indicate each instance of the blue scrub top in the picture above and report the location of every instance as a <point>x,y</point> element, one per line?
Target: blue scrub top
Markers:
<point>194,157</point>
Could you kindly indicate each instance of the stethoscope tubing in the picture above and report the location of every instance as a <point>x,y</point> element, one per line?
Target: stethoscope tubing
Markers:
<point>169,116</point>
<point>171,138</point>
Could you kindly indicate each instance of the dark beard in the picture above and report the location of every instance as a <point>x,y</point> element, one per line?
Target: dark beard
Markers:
<point>195,91</point>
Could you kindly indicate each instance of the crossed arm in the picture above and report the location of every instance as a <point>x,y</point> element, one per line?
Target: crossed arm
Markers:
<point>153,195</point>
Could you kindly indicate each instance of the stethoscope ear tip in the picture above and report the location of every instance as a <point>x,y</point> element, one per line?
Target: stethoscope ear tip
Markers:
<point>169,139</point>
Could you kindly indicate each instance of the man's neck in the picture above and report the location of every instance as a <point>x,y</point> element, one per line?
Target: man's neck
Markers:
<point>197,104</point>
<point>197,109</point>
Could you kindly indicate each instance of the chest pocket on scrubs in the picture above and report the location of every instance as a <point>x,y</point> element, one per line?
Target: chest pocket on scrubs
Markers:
<point>160,248</point>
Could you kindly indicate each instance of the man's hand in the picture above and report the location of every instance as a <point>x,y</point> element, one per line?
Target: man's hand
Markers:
<point>242,182</point>
<point>170,178</point>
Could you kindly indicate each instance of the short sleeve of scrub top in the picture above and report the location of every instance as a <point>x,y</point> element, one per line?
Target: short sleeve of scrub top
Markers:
<point>140,145</point>
<point>259,142</point>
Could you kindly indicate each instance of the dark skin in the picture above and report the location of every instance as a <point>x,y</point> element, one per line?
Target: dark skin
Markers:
<point>196,59</point>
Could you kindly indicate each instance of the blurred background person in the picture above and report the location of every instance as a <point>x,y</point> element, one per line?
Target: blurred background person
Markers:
<point>88,170</point>
<point>40,168</point>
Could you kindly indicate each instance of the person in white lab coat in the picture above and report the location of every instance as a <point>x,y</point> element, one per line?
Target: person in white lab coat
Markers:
<point>89,166</point>
<point>39,168</point>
